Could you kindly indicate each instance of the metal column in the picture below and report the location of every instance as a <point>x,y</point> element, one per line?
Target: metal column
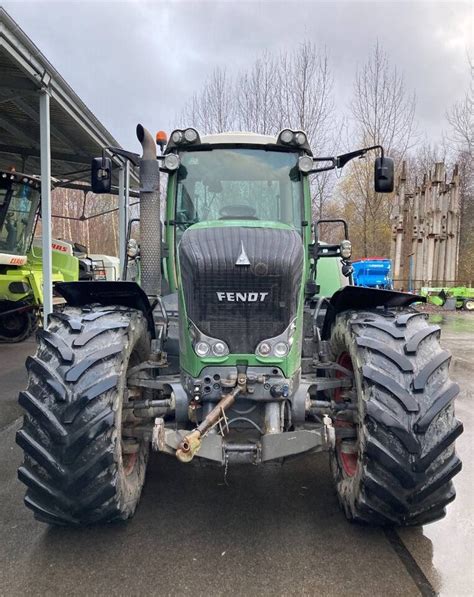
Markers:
<point>126,203</point>
<point>45,148</point>
<point>124,191</point>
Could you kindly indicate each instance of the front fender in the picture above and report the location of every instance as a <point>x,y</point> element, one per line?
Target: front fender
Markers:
<point>359,297</point>
<point>107,293</point>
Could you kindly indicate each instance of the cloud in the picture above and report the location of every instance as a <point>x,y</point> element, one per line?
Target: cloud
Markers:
<point>139,62</point>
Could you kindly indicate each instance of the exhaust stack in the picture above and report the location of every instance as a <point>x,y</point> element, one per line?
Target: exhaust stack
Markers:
<point>150,222</point>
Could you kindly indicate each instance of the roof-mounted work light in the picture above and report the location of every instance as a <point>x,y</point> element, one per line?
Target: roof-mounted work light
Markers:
<point>182,138</point>
<point>297,139</point>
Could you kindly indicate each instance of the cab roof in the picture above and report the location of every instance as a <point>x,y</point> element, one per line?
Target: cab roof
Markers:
<point>235,138</point>
<point>239,137</point>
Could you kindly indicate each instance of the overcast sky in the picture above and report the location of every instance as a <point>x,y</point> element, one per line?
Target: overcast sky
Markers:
<point>140,61</point>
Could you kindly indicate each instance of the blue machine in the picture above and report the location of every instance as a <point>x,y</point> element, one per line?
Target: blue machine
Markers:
<point>373,272</point>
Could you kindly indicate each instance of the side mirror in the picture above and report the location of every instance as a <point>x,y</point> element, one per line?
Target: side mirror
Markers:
<point>383,175</point>
<point>101,175</point>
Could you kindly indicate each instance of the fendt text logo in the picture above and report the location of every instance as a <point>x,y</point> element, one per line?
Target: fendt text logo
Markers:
<point>242,297</point>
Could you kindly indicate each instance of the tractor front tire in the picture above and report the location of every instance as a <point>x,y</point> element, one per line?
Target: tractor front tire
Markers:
<point>393,462</point>
<point>78,468</point>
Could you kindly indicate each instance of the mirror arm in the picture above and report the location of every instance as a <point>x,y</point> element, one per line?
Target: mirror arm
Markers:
<point>331,167</point>
<point>128,155</point>
<point>321,169</point>
<point>341,160</point>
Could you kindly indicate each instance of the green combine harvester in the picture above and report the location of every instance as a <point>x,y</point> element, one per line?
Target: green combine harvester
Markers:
<point>245,343</point>
<point>21,277</point>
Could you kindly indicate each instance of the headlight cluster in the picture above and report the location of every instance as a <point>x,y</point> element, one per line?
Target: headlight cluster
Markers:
<point>279,346</point>
<point>205,346</point>
<point>185,137</point>
<point>207,349</point>
<point>289,137</point>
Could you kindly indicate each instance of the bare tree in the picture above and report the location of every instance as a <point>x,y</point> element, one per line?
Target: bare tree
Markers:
<point>213,109</point>
<point>461,139</point>
<point>291,89</point>
<point>382,110</point>
<point>255,96</point>
<point>460,118</point>
<point>304,100</point>
<point>382,114</point>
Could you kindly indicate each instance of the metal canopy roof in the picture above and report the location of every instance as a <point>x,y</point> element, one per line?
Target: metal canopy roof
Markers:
<point>76,134</point>
<point>46,129</point>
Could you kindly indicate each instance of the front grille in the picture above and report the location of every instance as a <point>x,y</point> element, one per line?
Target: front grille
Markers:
<point>217,291</point>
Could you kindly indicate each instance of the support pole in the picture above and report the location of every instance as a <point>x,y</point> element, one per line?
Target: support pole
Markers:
<point>45,147</point>
<point>126,210</point>
<point>122,219</point>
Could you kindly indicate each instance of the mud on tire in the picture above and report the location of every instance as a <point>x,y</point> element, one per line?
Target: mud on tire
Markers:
<point>404,456</point>
<point>76,469</point>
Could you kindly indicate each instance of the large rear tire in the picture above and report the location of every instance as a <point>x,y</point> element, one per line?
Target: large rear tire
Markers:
<point>397,467</point>
<point>78,468</point>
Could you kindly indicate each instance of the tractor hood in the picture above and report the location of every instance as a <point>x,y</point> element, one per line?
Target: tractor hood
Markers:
<point>241,284</point>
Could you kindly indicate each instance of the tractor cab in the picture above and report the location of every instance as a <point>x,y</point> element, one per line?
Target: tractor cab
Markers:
<point>19,201</point>
<point>245,182</point>
<point>21,277</point>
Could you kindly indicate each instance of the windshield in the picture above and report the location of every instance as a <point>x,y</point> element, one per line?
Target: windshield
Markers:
<point>239,184</point>
<point>18,205</point>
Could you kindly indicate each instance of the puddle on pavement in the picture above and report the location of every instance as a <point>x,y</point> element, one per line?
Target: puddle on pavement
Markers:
<point>454,322</point>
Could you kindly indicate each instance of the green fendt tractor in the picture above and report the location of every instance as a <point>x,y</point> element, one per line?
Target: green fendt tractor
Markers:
<point>240,346</point>
<point>21,276</point>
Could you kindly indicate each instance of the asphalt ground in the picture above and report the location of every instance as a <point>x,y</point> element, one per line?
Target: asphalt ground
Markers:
<point>260,531</point>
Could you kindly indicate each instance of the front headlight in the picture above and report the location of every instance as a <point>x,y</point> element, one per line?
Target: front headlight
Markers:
<point>346,249</point>
<point>202,348</point>
<point>220,349</point>
<point>281,349</point>
<point>279,346</point>
<point>205,346</point>
<point>171,162</point>
<point>305,164</point>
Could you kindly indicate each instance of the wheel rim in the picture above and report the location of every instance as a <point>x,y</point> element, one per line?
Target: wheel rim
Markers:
<point>469,305</point>
<point>129,462</point>
<point>347,452</point>
<point>130,447</point>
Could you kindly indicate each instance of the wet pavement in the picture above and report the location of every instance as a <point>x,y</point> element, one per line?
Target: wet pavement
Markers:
<point>267,531</point>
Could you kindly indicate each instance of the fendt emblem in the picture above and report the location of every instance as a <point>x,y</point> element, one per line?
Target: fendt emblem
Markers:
<point>242,259</point>
<point>241,297</point>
